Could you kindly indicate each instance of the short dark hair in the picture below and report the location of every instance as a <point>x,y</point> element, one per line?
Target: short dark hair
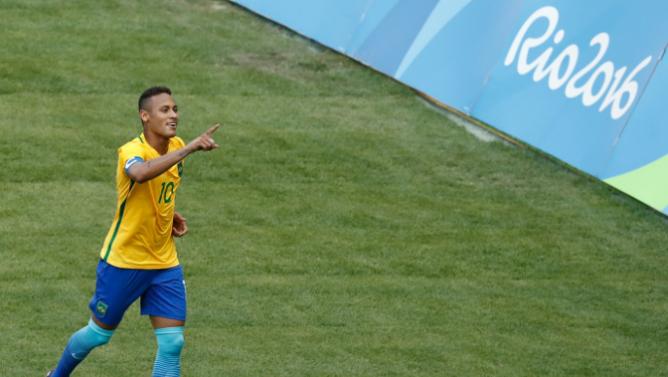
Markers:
<point>150,92</point>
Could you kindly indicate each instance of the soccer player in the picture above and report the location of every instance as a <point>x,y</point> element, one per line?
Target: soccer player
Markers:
<point>138,257</point>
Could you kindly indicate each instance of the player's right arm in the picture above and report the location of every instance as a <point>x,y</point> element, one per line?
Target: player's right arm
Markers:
<point>142,171</point>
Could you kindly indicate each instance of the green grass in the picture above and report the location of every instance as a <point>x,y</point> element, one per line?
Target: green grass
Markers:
<point>342,229</point>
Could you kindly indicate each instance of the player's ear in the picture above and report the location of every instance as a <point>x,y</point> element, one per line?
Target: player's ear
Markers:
<point>144,116</point>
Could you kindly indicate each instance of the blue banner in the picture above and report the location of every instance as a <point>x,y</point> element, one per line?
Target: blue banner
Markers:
<point>582,81</point>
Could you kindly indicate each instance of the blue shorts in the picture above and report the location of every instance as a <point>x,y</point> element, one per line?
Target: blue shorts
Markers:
<point>162,293</point>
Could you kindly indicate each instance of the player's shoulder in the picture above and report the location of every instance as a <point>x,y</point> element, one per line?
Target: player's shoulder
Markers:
<point>133,145</point>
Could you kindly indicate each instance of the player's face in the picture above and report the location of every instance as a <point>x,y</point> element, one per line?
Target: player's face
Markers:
<point>161,116</point>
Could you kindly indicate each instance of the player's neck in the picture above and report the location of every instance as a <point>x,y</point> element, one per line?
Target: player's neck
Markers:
<point>159,143</point>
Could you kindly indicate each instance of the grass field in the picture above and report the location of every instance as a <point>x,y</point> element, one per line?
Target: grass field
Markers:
<point>342,229</point>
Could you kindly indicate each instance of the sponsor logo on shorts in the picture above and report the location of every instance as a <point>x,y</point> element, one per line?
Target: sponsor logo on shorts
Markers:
<point>101,308</point>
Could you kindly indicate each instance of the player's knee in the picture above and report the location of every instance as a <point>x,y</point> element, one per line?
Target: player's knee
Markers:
<point>87,338</point>
<point>170,341</point>
<point>100,340</point>
<point>97,336</point>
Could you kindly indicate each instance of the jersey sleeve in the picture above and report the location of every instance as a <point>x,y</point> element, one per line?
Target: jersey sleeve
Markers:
<point>130,154</point>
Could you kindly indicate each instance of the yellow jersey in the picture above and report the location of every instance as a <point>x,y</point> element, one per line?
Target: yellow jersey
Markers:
<point>140,236</point>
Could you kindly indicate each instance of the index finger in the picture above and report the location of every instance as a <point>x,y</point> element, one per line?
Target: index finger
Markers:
<point>213,129</point>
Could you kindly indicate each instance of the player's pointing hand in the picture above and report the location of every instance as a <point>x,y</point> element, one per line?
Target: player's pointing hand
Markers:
<point>205,141</point>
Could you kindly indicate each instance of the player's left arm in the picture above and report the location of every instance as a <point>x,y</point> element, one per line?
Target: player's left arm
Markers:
<point>180,227</point>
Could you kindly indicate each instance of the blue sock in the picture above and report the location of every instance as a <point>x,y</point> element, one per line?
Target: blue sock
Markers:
<point>80,344</point>
<point>168,360</point>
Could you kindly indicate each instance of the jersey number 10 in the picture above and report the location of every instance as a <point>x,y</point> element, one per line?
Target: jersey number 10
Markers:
<point>166,193</point>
